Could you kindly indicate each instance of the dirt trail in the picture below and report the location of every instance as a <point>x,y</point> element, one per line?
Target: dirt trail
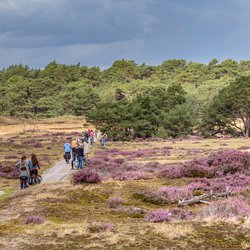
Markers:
<point>59,172</point>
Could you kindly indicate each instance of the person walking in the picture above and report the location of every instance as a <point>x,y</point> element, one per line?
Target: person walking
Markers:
<point>80,155</point>
<point>24,172</point>
<point>74,152</point>
<point>105,140</point>
<point>33,168</point>
<point>67,151</point>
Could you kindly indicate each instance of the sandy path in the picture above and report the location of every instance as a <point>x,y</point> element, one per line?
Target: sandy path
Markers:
<point>59,172</point>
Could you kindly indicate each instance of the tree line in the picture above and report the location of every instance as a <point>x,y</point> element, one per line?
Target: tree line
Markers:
<point>174,99</point>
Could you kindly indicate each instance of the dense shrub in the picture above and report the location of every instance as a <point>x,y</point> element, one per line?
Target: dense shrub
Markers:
<point>236,182</point>
<point>218,164</point>
<point>172,171</point>
<point>86,176</point>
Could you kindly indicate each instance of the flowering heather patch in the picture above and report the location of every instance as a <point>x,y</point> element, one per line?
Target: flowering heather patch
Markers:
<point>33,219</point>
<point>236,182</point>
<point>165,195</point>
<point>100,227</point>
<point>38,145</point>
<point>152,166</point>
<point>181,214</point>
<point>159,215</point>
<point>112,167</point>
<point>8,170</point>
<point>171,171</point>
<point>86,176</point>
<point>197,168</point>
<point>218,164</point>
<point>58,134</point>
<point>171,194</point>
<point>33,143</point>
<point>115,202</point>
<point>226,208</point>
<point>119,160</point>
<point>147,152</point>
<point>130,176</point>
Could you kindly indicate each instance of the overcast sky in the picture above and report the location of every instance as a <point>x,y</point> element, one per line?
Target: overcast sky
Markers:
<point>98,32</point>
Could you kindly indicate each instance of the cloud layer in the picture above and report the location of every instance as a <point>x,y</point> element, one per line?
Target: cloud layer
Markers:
<point>97,32</point>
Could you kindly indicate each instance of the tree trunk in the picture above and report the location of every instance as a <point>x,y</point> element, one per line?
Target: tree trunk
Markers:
<point>202,198</point>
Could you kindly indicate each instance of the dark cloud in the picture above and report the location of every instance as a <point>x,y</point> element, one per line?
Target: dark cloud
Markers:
<point>97,32</point>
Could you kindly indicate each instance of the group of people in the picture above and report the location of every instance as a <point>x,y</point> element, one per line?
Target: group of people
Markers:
<point>78,149</point>
<point>28,171</point>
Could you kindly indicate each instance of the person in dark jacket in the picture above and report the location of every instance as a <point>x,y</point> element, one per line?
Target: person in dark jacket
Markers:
<point>74,152</point>
<point>80,155</point>
<point>33,167</point>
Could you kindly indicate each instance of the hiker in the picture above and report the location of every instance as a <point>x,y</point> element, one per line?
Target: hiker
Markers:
<point>80,155</point>
<point>86,135</point>
<point>86,147</point>
<point>91,137</point>
<point>24,172</point>
<point>74,151</point>
<point>105,140</point>
<point>33,168</point>
<point>67,151</point>
<point>96,135</point>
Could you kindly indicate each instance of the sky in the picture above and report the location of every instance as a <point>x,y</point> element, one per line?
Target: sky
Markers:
<point>98,32</point>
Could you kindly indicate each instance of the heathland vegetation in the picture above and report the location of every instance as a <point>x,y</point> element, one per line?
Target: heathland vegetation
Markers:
<point>173,99</point>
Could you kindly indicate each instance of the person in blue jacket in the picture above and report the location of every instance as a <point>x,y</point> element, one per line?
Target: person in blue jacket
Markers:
<point>67,151</point>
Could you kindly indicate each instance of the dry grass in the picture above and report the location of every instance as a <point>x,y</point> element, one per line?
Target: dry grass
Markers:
<point>173,230</point>
<point>60,124</point>
<point>69,209</point>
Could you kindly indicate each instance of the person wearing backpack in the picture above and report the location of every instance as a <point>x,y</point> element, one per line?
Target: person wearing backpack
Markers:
<point>33,167</point>
<point>24,172</point>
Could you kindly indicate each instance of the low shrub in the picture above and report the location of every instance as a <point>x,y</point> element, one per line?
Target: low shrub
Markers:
<point>181,214</point>
<point>159,215</point>
<point>172,171</point>
<point>131,176</point>
<point>115,202</point>
<point>34,219</point>
<point>165,195</point>
<point>226,208</point>
<point>86,176</point>
<point>236,182</point>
